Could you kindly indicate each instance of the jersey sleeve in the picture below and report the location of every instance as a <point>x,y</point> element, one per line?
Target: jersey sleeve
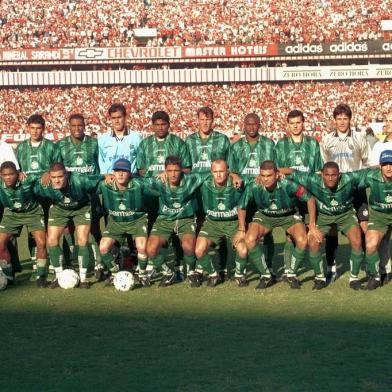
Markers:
<point>318,162</point>
<point>56,154</point>
<point>359,177</point>
<point>141,163</point>
<point>185,155</point>
<point>299,191</point>
<point>246,197</point>
<point>305,179</point>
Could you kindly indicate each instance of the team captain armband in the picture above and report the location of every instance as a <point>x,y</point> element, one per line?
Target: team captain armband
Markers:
<point>301,191</point>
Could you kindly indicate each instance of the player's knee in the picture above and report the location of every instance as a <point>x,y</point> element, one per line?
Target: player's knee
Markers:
<point>301,242</point>
<point>371,245</point>
<point>313,244</point>
<point>356,243</point>
<point>200,250</point>
<point>242,250</point>
<point>250,241</point>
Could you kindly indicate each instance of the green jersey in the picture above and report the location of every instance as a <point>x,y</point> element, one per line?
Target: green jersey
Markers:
<point>21,198</point>
<point>246,157</point>
<point>281,201</point>
<point>380,197</point>
<point>75,194</point>
<point>204,151</point>
<point>331,202</point>
<point>152,152</point>
<point>176,202</point>
<point>220,203</point>
<point>37,160</point>
<point>126,205</point>
<point>304,156</point>
<point>80,157</point>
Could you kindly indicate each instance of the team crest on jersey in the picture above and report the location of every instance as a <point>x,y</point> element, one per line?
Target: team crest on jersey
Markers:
<point>176,205</point>
<point>298,160</point>
<point>34,165</point>
<point>221,206</point>
<point>334,203</point>
<point>17,204</point>
<point>388,199</point>
<point>161,159</point>
<point>121,206</point>
<point>252,163</point>
<point>79,161</point>
<point>273,206</point>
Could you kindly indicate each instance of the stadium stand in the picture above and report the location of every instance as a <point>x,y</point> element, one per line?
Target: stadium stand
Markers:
<point>370,101</point>
<point>98,23</point>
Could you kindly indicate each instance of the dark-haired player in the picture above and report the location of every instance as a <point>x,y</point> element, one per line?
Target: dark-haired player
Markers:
<point>334,193</point>
<point>69,194</point>
<point>351,151</point>
<point>20,209</point>
<point>300,152</point>
<point>276,203</point>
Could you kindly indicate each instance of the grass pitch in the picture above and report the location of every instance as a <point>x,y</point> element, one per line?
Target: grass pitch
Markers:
<point>182,339</point>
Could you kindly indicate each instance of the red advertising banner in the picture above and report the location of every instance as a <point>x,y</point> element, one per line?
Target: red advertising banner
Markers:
<point>191,52</point>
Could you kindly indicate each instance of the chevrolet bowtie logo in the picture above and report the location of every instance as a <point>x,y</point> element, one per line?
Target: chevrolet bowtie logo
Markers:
<point>90,53</point>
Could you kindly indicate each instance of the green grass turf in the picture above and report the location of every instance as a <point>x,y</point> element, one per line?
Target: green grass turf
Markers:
<point>182,339</point>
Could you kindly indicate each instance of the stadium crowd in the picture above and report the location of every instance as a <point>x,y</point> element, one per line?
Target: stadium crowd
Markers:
<point>45,24</point>
<point>371,100</point>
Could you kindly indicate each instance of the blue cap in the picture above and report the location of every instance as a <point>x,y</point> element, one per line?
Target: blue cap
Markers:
<point>386,157</point>
<point>122,164</point>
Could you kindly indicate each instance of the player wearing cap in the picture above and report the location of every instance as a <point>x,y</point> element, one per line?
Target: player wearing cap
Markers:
<point>276,202</point>
<point>379,182</point>
<point>124,201</point>
<point>69,194</point>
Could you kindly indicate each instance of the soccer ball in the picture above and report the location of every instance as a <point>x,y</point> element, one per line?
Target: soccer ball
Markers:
<point>68,279</point>
<point>3,280</point>
<point>124,281</point>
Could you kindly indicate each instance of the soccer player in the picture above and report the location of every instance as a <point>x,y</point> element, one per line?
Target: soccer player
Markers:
<point>79,154</point>
<point>70,197</point>
<point>379,147</point>
<point>276,202</point>
<point>36,154</point>
<point>351,151</point>
<point>118,143</point>
<point>175,216</point>
<point>247,154</point>
<point>380,214</point>
<point>124,201</point>
<point>300,152</point>
<point>220,200</point>
<point>154,149</point>
<point>334,193</point>
<point>206,145</point>
<point>20,209</point>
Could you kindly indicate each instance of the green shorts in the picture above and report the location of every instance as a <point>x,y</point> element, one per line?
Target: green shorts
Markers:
<point>272,222</point>
<point>215,230</point>
<point>166,228</point>
<point>61,217</point>
<point>344,221</point>
<point>119,230</point>
<point>379,221</point>
<point>13,222</point>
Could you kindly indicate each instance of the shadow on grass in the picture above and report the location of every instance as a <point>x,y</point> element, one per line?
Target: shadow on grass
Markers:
<point>56,351</point>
